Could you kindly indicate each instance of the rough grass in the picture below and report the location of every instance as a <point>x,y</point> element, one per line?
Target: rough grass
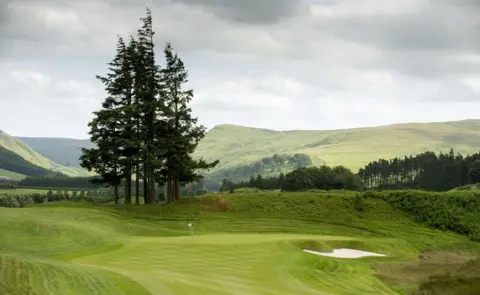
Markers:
<point>253,246</point>
<point>353,148</point>
<point>469,187</point>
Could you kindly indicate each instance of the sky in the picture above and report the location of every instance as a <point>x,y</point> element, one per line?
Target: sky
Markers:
<point>276,64</point>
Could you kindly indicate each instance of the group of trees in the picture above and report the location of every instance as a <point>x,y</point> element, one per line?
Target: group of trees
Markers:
<point>267,167</point>
<point>258,182</point>
<point>306,178</point>
<point>428,171</point>
<point>59,181</point>
<point>322,178</point>
<point>145,130</point>
<point>24,200</point>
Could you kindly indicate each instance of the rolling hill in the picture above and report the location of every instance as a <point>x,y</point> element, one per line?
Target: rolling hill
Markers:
<point>15,147</point>
<point>239,148</point>
<point>14,164</point>
<point>64,151</point>
<point>353,148</point>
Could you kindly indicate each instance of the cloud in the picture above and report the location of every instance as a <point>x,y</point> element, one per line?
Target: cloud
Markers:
<point>253,11</point>
<point>43,105</point>
<point>282,64</point>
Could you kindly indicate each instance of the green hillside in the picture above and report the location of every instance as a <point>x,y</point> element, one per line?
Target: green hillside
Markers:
<point>64,151</point>
<point>11,175</point>
<point>253,245</point>
<point>13,163</point>
<point>23,150</point>
<point>353,148</point>
<point>240,148</point>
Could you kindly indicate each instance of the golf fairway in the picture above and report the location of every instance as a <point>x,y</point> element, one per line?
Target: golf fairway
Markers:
<point>68,249</point>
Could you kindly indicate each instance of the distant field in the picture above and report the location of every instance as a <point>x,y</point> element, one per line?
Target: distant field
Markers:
<point>11,175</point>
<point>255,247</point>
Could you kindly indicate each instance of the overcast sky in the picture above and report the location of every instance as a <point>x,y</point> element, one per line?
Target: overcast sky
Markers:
<point>279,64</point>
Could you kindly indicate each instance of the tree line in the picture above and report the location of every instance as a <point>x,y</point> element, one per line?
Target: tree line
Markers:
<point>145,131</point>
<point>60,181</point>
<point>267,167</point>
<point>427,171</point>
<point>258,182</point>
<point>301,179</point>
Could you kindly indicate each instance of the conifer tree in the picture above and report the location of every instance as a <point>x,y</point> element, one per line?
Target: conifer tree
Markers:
<point>107,126</point>
<point>183,132</point>
<point>149,104</point>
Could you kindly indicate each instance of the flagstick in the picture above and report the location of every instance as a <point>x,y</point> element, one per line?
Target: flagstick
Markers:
<point>191,228</point>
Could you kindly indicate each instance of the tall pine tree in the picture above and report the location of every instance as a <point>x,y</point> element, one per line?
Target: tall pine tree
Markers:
<point>182,129</point>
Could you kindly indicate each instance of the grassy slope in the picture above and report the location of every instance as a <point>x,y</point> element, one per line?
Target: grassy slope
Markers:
<point>255,248</point>
<point>11,175</point>
<point>59,150</point>
<point>235,145</point>
<point>469,187</point>
<point>26,152</point>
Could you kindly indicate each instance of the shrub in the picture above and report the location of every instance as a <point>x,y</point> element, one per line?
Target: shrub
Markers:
<point>223,204</point>
<point>359,205</point>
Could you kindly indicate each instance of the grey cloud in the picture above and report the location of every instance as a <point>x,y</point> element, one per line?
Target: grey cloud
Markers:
<point>452,29</point>
<point>453,91</point>
<point>253,11</point>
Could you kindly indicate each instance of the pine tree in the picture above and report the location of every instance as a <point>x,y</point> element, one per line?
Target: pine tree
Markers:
<point>474,172</point>
<point>281,180</point>
<point>149,104</point>
<point>259,181</point>
<point>108,125</point>
<point>252,182</point>
<point>183,131</point>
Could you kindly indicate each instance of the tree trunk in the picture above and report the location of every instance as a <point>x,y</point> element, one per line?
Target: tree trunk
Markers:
<point>137,184</point>
<point>153,197</point>
<point>128,186</point>
<point>177,188</point>
<point>145,181</point>
<point>115,194</point>
<point>169,189</point>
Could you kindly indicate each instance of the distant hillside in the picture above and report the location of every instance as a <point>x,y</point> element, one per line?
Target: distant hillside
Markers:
<point>13,165</point>
<point>240,148</point>
<point>5,174</point>
<point>267,167</point>
<point>64,151</point>
<point>353,148</point>
<point>21,149</point>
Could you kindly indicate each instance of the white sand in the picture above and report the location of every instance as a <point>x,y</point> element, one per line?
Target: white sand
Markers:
<point>344,253</point>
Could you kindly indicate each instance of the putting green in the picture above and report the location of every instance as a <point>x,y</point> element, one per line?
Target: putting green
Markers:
<point>77,249</point>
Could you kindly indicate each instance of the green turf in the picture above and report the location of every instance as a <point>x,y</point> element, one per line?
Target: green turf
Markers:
<point>11,175</point>
<point>353,148</point>
<point>253,247</point>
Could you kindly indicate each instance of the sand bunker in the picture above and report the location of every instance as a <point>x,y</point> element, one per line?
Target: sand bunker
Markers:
<point>345,253</point>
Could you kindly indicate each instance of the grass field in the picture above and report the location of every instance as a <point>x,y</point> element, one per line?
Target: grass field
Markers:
<point>252,245</point>
<point>353,148</point>
<point>11,175</point>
